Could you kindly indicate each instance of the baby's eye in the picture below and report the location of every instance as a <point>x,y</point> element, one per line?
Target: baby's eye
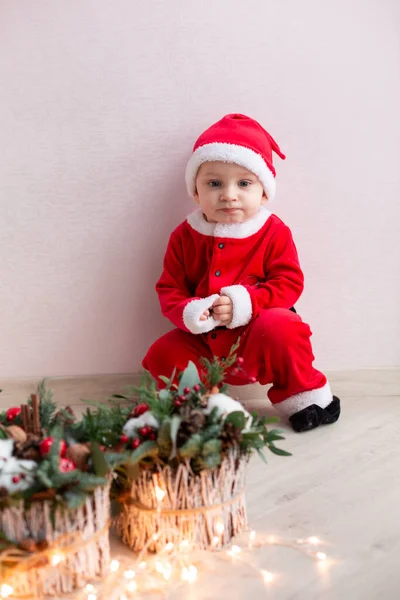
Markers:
<point>244,183</point>
<point>214,183</point>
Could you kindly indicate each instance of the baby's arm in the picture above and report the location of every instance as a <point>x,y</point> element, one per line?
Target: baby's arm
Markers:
<point>177,304</point>
<point>283,285</point>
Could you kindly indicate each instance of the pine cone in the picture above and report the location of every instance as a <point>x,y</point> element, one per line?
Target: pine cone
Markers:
<point>230,436</point>
<point>193,423</point>
<point>29,450</point>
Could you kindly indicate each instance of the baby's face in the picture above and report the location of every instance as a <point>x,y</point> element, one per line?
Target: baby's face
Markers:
<point>228,193</point>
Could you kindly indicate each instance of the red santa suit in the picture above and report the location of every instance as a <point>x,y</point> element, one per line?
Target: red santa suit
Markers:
<point>255,263</point>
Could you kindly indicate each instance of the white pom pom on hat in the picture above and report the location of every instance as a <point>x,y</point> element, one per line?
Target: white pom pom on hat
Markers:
<point>237,139</point>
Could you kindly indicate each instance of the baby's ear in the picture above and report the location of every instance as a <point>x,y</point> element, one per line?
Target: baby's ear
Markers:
<point>264,198</point>
<point>196,196</point>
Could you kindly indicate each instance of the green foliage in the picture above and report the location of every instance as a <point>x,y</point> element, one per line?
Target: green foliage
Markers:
<point>103,425</point>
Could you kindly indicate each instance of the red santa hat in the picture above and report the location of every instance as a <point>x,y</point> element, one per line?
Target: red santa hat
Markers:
<point>236,139</point>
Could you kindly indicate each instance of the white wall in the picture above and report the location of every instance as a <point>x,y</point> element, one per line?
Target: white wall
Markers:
<point>100,103</point>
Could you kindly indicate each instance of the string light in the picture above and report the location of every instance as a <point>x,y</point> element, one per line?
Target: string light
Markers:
<point>174,559</point>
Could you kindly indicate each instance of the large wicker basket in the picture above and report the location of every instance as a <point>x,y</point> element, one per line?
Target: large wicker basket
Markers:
<point>206,510</point>
<point>76,548</point>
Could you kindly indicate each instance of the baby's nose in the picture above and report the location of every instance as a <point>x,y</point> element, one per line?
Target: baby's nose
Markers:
<point>229,192</point>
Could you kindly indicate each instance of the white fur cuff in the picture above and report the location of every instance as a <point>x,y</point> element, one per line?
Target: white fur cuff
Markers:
<point>321,397</point>
<point>193,311</point>
<point>242,307</point>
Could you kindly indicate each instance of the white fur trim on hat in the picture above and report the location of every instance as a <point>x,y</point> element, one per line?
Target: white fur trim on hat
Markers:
<point>230,153</point>
<point>228,230</point>
<point>321,397</point>
<point>242,307</point>
<point>193,311</point>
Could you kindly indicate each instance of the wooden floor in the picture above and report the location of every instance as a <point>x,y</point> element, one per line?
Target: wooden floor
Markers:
<point>342,484</point>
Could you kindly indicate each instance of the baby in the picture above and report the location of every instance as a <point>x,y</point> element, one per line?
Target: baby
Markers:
<point>231,270</point>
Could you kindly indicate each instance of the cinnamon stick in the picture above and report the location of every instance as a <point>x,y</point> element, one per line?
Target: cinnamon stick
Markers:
<point>35,414</point>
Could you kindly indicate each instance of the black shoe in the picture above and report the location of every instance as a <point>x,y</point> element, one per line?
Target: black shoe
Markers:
<point>312,416</point>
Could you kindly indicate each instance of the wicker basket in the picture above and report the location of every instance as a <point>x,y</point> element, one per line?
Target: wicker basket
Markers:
<point>207,509</point>
<point>79,537</point>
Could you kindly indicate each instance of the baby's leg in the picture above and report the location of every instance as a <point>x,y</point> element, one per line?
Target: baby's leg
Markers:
<point>276,349</point>
<point>175,349</point>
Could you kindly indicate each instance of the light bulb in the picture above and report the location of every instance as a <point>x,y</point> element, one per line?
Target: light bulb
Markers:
<point>129,574</point>
<point>132,586</point>
<point>321,555</point>
<point>114,566</point>
<point>6,590</point>
<point>160,494</point>
<point>267,576</point>
<point>313,540</point>
<point>56,559</point>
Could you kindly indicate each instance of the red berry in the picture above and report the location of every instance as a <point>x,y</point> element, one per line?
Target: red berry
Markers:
<point>16,479</point>
<point>240,360</point>
<point>186,390</point>
<point>177,403</point>
<point>46,444</point>
<point>197,387</point>
<point>63,448</point>
<point>123,438</point>
<point>153,436</point>
<point>140,409</point>
<point>12,413</point>
<point>67,465</point>
<point>144,431</point>
<point>136,443</point>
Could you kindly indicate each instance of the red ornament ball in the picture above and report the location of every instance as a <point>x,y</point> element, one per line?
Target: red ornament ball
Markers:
<point>12,413</point>
<point>123,439</point>
<point>253,379</point>
<point>140,409</point>
<point>152,436</point>
<point>240,360</point>
<point>16,479</point>
<point>46,444</point>
<point>197,387</point>
<point>67,465</point>
<point>186,390</point>
<point>177,403</point>
<point>136,443</point>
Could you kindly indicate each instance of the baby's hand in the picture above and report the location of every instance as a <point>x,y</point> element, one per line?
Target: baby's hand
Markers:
<point>223,309</point>
<point>205,315</point>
